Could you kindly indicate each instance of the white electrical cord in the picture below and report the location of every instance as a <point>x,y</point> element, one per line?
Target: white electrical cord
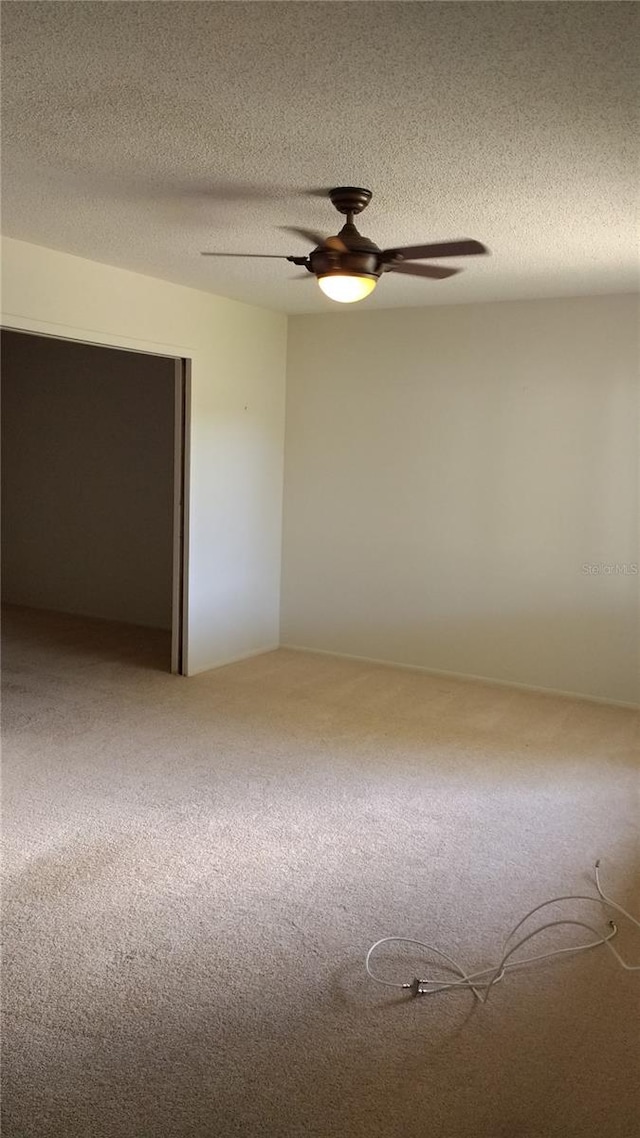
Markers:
<point>484,980</point>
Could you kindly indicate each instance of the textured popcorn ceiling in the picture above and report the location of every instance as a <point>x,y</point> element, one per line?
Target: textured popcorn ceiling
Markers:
<point>140,133</point>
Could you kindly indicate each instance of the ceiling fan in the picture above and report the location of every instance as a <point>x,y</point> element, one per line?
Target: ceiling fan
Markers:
<point>348,266</point>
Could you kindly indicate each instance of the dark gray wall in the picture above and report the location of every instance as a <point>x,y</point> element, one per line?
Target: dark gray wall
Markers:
<point>87,479</point>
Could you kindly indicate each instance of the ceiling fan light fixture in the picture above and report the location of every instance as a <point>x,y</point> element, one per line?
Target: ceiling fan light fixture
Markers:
<point>347,265</point>
<point>347,288</point>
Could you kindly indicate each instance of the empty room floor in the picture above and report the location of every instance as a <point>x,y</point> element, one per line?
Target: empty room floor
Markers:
<point>194,870</point>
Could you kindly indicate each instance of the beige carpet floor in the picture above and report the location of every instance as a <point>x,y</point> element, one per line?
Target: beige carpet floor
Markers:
<point>195,868</point>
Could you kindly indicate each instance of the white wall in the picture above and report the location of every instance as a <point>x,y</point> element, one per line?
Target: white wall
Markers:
<point>238,388</point>
<point>449,472</point>
<point>87,479</point>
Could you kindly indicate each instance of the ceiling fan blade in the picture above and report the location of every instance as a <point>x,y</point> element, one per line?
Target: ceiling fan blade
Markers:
<point>308,235</point>
<point>316,239</point>
<point>271,256</point>
<point>439,249</point>
<point>335,243</point>
<point>435,272</point>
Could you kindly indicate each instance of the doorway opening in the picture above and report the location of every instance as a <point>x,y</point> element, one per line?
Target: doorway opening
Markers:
<point>94,489</point>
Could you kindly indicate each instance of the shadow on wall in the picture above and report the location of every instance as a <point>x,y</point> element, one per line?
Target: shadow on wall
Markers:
<point>540,649</point>
<point>449,476</point>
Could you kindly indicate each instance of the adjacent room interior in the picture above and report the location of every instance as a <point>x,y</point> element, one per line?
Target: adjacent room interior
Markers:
<point>321,620</point>
<point>88,470</point>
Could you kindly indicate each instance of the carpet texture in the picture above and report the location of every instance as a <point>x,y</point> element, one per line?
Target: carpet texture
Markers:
<point>194,870</point>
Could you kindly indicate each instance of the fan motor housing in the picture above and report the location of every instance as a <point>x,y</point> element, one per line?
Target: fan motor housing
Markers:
<point>362,257</point>
<point>324,262</point>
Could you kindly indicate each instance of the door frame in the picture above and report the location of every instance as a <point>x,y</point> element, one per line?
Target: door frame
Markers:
<point>183,358</point>
<point>180,592</point>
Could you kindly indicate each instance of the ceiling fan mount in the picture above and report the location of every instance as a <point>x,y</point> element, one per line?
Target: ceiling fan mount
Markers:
<point>348,265</point>
<point>350,199</point>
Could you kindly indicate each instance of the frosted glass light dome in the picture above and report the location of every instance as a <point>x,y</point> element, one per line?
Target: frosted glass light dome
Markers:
<point>346,288</point>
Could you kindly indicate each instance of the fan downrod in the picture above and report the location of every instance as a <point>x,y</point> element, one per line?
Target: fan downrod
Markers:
<point>350,199</point>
